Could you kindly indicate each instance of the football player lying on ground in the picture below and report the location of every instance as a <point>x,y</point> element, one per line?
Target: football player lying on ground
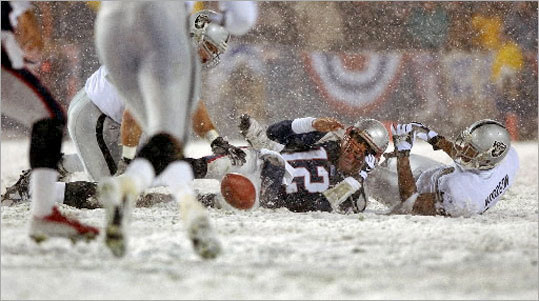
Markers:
<point>313,165</point>
<point>326,164</point>
<point>106,136</point>
<point>484,168</point>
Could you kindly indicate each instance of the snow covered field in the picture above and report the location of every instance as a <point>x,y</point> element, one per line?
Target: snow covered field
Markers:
<point>276,254</point>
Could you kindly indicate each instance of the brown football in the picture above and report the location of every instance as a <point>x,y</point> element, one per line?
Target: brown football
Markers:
<point>238,191</point>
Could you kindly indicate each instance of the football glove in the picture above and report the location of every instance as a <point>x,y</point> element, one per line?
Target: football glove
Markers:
<point>368,165</point>
<point>424,133</point>
<point>220,146</point>
<point>403,136</point>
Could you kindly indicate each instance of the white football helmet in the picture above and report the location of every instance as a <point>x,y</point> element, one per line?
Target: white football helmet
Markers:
<point>482,145</point>
<point>209,38</point>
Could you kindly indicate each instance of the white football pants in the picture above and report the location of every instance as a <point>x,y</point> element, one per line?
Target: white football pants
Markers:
<point>95,135</point>
<point>147,50</point>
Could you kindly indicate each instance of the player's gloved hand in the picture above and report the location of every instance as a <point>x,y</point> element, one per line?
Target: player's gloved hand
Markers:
<point>424,133</point>
<point>220,146</point>
<point>368,165</point>
<point>122,166</point>
<point>403,136</point>
<point>326,124</point>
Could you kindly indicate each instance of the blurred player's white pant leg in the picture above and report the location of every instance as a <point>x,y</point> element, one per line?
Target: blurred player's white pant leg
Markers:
<point>95,136</point>
<point>147,51</point>
<point>382,182</point>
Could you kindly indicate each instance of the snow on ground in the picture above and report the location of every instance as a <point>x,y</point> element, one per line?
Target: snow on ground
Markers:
<point>276,254</point>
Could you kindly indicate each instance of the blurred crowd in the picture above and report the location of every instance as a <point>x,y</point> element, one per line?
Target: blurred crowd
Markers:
<point>506,29</point>
<point>430,25</point>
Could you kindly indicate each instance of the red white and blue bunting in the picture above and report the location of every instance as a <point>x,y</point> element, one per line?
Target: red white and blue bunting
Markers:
<point>354,83</point>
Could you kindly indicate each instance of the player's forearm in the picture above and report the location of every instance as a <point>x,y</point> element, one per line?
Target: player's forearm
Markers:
<point>407,186</point>
<point>202,124</point>
<point>446,145</point>
<point>130,130</point>
<point>130,133</point>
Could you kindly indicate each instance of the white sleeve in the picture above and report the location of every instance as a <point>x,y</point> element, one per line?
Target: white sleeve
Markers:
<point>240,16</point>
<point>303,125</point>
<point>19,8</point>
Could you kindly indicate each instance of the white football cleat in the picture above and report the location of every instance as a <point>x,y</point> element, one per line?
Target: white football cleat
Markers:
<point>58,225</point>
<point>118,196</point>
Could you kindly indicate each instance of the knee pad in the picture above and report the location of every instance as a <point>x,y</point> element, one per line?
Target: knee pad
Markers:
<point>161,150</point>
<point>46,143</point>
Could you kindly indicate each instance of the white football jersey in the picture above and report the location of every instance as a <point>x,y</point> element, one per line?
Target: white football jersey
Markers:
<point>104,95</point>
<point>465,192</point>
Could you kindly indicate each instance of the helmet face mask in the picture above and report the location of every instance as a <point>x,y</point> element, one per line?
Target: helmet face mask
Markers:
<point>353,151</point>
<point>366,137</point>
<point>210,40</point>
<point>209,54</point>
<point>483,145</point>
<point>467,154</point>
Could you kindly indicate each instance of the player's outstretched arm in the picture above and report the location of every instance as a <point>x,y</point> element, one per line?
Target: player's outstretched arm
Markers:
<point>304,131</point>
<point>204,127</point>
<point>403,139</point>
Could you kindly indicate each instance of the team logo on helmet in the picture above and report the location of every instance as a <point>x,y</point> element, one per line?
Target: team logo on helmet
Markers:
<point>498,148</point>
<point>201,21</point>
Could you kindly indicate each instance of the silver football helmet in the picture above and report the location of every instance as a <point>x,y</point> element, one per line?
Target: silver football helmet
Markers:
<point>482,145</point>
<point>374,133</point>
<point>209,38</point>
<point>367,136</point>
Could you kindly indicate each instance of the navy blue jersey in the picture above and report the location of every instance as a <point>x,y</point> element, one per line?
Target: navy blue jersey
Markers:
<point>315,170</point>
